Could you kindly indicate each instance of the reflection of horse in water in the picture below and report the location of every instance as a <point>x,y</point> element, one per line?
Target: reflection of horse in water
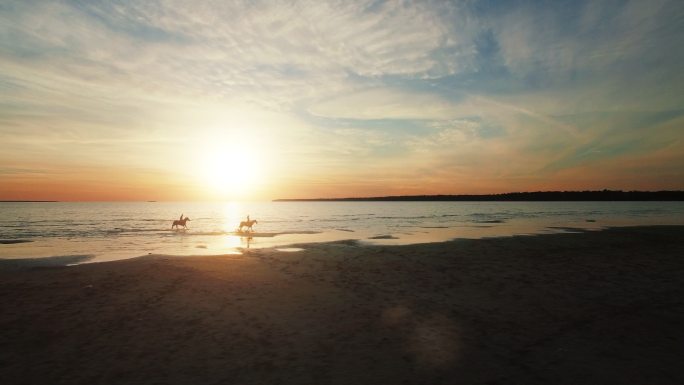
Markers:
<point>247,224</point>
<point>180,222</point>
<point>246,239</point>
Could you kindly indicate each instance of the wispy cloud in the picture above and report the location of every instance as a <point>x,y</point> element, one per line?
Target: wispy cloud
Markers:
<point>493,91</point>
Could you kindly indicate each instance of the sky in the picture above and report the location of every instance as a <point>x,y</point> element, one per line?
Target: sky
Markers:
<point>195,100</point>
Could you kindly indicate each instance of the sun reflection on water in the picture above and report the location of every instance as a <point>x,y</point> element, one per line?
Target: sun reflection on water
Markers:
<point>232,216</point>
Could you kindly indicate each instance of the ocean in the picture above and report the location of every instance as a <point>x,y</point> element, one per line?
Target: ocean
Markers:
<point>106,231</point>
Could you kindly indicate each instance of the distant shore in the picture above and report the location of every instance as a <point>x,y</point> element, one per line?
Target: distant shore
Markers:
<point>599,307</point>
<point>539,196</point>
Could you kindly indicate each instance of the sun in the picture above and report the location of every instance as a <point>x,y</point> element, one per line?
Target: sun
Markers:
<point>230,170</point>
<point>232,160</point>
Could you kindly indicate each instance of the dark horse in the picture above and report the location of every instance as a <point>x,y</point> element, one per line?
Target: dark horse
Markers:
<point>180,222</point>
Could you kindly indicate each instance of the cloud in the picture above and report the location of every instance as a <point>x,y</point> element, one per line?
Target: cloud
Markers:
<point>384,103</point>
<point>415,88</point>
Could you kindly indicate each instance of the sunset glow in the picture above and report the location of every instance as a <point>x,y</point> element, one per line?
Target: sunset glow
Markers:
<point>146,100</point>
<point>230,171</point>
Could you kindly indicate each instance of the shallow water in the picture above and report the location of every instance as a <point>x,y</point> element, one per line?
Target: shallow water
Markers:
<point>113,230</point>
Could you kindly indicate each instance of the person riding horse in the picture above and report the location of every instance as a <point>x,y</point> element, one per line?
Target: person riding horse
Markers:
<point>248,223</point>
<point>180,222</point>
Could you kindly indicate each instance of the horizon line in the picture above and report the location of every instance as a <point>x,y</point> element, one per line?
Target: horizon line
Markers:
<point>605,194</point>
<point>679,194</point>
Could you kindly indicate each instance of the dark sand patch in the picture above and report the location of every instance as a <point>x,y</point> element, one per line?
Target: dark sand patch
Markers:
<point>344,242</point>
<point>13,241</point>
<point>569,229</point>
<point>600,307</point>
<point>383,237</point>
<point>60,260</point>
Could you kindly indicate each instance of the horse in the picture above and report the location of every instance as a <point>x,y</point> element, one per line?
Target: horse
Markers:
<point>180,222</point>
<point>247,224</point>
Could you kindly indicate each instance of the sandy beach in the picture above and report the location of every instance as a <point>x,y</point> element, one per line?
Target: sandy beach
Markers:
<point>579,308</point>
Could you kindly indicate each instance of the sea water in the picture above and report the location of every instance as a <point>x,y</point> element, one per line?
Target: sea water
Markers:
<point>114,230</point>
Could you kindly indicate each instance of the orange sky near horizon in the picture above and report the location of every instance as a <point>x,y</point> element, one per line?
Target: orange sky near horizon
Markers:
<point>123,185</point>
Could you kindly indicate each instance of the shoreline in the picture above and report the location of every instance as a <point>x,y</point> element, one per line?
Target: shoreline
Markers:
<point>566,308</point>
<point>439,234</point>
<point>113,231</point>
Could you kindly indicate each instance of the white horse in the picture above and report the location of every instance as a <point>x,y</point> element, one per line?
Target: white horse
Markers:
<point>247,224</point>
<point>180,222</point>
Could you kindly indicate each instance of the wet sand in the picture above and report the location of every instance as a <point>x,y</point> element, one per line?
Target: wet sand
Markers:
<point>587,308</point>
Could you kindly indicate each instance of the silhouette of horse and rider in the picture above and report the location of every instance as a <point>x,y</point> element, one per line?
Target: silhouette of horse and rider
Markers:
<point>249,223</point>
<point>180,222</point>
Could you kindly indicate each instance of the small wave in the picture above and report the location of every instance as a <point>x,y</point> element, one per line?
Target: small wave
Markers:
<point>210,233</point>
<point>127,220</point>
<point>324,220</point>
<point>122,231</point>
<point>415,217</point>
<point>352,215</point>
<point>236,233</point>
